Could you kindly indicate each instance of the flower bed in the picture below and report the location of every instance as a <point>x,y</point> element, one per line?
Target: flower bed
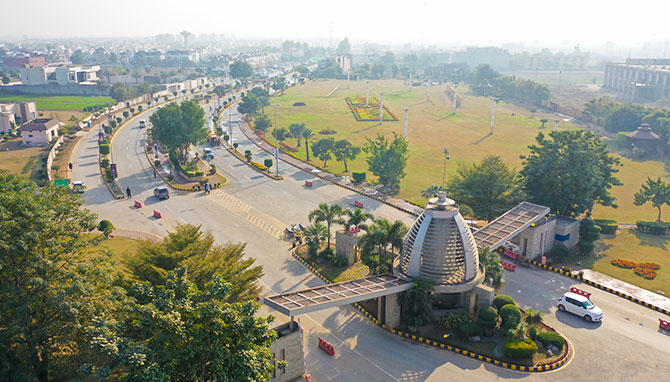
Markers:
<point>259,166</point>
<point>653,266</point>
<point>368,112</point>
<point>625,264</point>
<point>647,273</point>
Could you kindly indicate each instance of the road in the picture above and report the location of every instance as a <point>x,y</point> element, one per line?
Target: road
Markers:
<point>255,209</point>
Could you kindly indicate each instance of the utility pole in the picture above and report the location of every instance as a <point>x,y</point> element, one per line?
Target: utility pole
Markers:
<point>381,107</point>
<point>358,85</point>
<point>410,82</point>
<point>444,170</point>
<point>230,125</point>
<point>367,92</point>
<point>555,124</point>
<point>493,114</point>
<point>276,143</point>
<point>428,91</point>
<point>348,80</point>
<point>406,110</point>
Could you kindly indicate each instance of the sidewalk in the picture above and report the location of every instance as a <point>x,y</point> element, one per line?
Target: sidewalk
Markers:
<point>369,192</point>
<point>626,288</point>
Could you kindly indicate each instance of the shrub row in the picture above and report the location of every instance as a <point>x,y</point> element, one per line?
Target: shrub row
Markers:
<point>520,348</point>
<point>607,227</point>
<point>654,228</point>
<point>258,166</point>
<point>551,338</point>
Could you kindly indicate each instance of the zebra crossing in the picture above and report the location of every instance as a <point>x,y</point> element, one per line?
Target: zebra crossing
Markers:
<point>261,220</point>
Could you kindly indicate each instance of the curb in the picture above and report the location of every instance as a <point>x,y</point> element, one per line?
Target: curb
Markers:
<point>600,286</point>
<point>513,366</point>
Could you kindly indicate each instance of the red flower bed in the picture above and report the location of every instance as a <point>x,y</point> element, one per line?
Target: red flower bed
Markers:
<point>626,264</point>
<point>653,266</point>
<point>647,273</point>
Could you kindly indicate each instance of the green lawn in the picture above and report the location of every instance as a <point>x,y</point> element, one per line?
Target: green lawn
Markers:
<point>24,161</point>
<point>60,102</point>
<point>336,274</point>
<point>120,248</point>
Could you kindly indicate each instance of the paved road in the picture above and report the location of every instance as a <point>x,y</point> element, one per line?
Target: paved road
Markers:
<point>254,209</point>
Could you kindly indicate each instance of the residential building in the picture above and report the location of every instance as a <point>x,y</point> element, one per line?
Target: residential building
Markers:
<point>61,75</point>
<point>639,80</point>
<point>40,131</point>
<point>16,114</point>
<point>344,62</point>
<point>24,62</point>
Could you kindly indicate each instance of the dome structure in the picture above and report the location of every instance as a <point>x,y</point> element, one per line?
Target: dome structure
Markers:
<point>441,248</point>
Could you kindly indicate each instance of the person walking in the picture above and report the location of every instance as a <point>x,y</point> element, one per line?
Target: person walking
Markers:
<point>128,192</point>
<point>70,166</point>
<point>154,173</point>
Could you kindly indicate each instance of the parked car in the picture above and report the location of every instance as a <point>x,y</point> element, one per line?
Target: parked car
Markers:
<point>209,154</point>
<point>580,306</point>
<point>143,123</point>
<point>78,187</point>
<point>161,193</point>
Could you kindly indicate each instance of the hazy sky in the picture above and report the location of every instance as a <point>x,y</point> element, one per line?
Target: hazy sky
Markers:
<point>416,21</point>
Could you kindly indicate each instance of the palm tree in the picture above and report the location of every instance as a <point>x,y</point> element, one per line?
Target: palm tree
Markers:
<point>314,235</point>
<point>307,134</point>
<point>382,234</point>
<point>417,303</point>
<point>356,219</point>
<point>327,214</point>
<point>280,134</point>
<point>432,191</point>
<point>494,271</point>
<point>296,130</point>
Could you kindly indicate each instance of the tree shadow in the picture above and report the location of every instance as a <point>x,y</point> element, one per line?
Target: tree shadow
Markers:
<point>482,139</point>
<point>452,114</point>
<point>648,240</point>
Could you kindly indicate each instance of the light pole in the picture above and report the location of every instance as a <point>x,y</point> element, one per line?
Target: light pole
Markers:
<point>410,82</point>
<point>276,143</point>
<point>358,85</point>
<point>444,171</point>
<point>367,92</point>
<point>230,126</point>
<point>406,110</point>
<point>381,107</point>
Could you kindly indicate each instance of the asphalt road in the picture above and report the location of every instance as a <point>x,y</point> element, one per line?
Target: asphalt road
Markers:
<point>255,209</point>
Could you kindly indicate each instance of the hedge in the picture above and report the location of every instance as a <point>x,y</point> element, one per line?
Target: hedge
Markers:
<point>654,228</point>
<point>520,348</point>
<point>501,300</point>
<point>607,226</point>
<point>511,316</point>
<point>359,177</point>
<point>104,148</point>
<point>551,338</point>
<point>560,251</point>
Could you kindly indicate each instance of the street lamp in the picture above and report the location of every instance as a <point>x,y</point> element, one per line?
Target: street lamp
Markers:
<point>444,171</point>
<point>276,143</point>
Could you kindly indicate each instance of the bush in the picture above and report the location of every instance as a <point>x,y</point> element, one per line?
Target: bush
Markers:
<point>104,148</point>
<point>532,333</point>
<point>551,338</point>
<point>268,162</point>
<point>520,348</point>
<point>212,169</point>
<point>560,251</point>
<point>654,228</point>
<point>104,163</point>
<point>488,317</point>
<point>586,247</point>
<point>235,145</point>
<point>622,140</point>
<point>337,260</point>
<point>125,114</point>
<point>653,266</point>
<point>469,329</point>
<point>453,320</point>
<point>511,316</point>
<point>328,131</point>
<point>359,177</point>
<point>608,227</point>
<point>501,300</point>
<point>106,227</point>
<point>327,252</point>
<point>55,167</point>
<point>247,154</point>
<point>533,316</point>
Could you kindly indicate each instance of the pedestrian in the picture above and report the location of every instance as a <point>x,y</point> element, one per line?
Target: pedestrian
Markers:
<point>128,192</point>
<point>70,165</point>
<point>154,173</point>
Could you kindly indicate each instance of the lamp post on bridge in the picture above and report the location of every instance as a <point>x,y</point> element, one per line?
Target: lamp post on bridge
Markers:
<point>444,170</point>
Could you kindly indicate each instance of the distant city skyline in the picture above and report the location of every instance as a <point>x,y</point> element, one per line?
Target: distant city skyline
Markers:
<point>429,22</point>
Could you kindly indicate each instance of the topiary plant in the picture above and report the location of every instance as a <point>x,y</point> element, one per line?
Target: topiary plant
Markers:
<point>501,300</point>
<point>520,348</point>
<point>551,338</point>
<point>488,317</point>
<point>106,227</point>
<point>511,316</point>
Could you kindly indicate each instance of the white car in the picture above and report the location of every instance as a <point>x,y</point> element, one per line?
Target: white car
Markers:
<point>580,306</point>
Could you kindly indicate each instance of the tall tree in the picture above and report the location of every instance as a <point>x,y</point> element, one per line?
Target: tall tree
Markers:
<point>494,272</point>
<point>387,159</point>
<point>327,214</point>
<point>50,283</point>
<point>489,187</point>
<point>280,134</point>
<point>279,84</point>
<point>241,70</point>
<point>344,151</point>
<point>322,149</point>
<point>296,130</point>
<point>179,126</point>
<point>417,303</point>
<point>356,219</point>
<point>262,122</point>
<point>569,171</point>
<point>655,191</point>
<point>381,235</point>
<point>307,134</point>
<point>176,332</point>
<point>249,105</point>
<point>188,246</point>
<point>314,235</point>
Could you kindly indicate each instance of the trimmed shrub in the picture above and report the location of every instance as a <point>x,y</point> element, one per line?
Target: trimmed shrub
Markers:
<point>125,114</point>
<point>235,145</point>
<point>607,226</point>
<point>501,300</point>
<point>532,333</point>
<point>520,348</point>
<point>453,320</point>
<point>511,316</point>
<point>654,228</point>
<point>212,169</point>
<point>268,162</point>
<point>551,338</point>
<point>104,148</point>
<point>533,316</point>
<point>119,120</point>
<point>106,227</point>
<point>560,251</point>
<point>359,177</point>
<point>469,329</point>
<point>488,317</point>
<point>247,154</point>
<point>104,163</point>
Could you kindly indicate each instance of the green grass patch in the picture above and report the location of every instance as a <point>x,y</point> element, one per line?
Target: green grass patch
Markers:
<point>60,102</point>
<point>336,274</point>
<point>24,161</point>
<point>120,248</point>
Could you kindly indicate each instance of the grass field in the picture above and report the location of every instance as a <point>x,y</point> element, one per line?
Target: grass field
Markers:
<point>120,248</point>
<point>432,127</point>
<point>60,102</point>
<point>24,161</point>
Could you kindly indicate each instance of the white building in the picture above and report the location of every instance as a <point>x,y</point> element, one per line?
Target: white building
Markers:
<point>61,75</point>
<point>40,131</point>
<point>16,114</point>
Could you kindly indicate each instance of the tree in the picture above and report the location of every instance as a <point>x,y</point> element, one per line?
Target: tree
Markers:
<point>482,74</point>
<point>344,151</point>
<point>262,122</point>
<point>489,187</point>
<point>378,69</point>
<point>51,283</point>
<point>119,92</point>
<point>376,241</point>
<point>387,159</point>
<point>589,232</point>
<point>280,134</point>
<point>344,47</point>
<point>624,117</point>
<point>417,303</point>
<point>432,191</point>
<point>655,191</point>
<point>307,134</point>
<point>6,79</point>
<point>178,332</point>
<point>322,149</point>
<point>188,246</point>
<point>279,84</point>
<point>296,130</point>
<point>356,219</point>
<point>315,235</point>
<point>241,69</point>
<point>179,126</point>
<point>327,214</point>
<point>569,172</point>
<point>494,272</point>
<point>543,121</point>
<point>77,57</point>
<point>249,105</point>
